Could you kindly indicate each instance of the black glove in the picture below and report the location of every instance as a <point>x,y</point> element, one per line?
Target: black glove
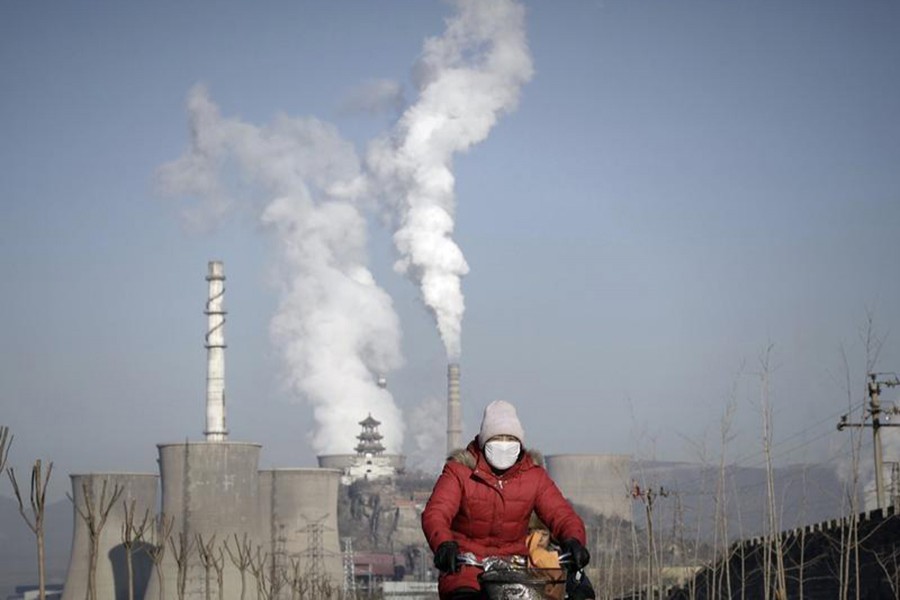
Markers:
<point>578,554</point>
<point>445,557</point>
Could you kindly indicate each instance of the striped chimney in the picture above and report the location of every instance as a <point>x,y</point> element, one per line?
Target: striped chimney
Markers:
<point>215,355</point>
<point>454,410</point>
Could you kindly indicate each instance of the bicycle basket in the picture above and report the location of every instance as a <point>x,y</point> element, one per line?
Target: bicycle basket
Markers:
<point>524,584</point>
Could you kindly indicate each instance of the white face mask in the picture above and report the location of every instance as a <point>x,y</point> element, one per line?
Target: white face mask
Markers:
<point>502,454</point>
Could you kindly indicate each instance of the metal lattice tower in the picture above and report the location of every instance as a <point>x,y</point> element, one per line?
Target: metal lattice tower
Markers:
<point>349,567</point>
<point>315,553</point>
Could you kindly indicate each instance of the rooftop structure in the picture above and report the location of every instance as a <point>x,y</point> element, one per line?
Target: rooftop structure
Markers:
<point>369,439</point>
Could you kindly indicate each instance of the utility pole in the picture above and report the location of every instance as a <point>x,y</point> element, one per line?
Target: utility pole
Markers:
<point>876,380</point>
<point>648,497</point>
<point>895,486</point>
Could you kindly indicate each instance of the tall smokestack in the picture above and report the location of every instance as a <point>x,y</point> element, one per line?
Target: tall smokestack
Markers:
<point>215,355</point>
<point>454,411</point>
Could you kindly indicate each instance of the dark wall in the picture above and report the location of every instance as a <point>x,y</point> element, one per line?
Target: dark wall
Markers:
<point>817,563</point>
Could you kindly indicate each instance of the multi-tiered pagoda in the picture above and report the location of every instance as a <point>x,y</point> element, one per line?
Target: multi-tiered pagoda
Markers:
<point>370,461</point>
<point>369,440</point>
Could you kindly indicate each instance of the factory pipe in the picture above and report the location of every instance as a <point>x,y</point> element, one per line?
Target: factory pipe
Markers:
<point>215,355</point>
<point>454,410</point>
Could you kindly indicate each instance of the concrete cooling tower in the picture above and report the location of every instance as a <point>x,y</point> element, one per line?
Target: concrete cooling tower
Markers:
<point>90,500</point>
<point>208,489</point>
<point>219,515</point>
<point>298,520</point>
<point>598,482</point>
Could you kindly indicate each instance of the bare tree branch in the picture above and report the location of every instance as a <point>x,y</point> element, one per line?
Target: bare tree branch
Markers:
<point>6,440</point>
<point>241,557</point>
<point>38,501</point>
<point>94,513</point>
<point>132,533</point>
<point>157,550</point>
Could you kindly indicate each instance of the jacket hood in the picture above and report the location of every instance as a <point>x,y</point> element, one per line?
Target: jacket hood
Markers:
<point>470,455</point>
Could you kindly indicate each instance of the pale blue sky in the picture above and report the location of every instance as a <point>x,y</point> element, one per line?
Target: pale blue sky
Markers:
<point>683,183</point>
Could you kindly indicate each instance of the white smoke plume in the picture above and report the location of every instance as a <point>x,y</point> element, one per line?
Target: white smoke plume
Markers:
<point>375,97</point>
<point>467,78</point>
<point>427,428</point>
<point>336,328</point>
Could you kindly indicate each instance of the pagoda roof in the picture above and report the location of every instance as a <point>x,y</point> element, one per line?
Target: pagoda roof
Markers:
<point>370,422</point>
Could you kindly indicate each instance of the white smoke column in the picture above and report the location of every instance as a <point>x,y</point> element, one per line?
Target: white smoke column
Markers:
<point>336,328</point>
<point>428,426</point>
<point>467,79</point>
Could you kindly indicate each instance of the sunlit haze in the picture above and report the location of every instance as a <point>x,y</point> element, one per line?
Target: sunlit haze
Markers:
<point>610,212</point>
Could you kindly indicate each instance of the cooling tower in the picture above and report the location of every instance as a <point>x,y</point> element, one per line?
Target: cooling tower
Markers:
<point>598,482</point>
<point>208,489</point>
<point>298,520</point>
<point>112,567</point>
<point>454,410</point>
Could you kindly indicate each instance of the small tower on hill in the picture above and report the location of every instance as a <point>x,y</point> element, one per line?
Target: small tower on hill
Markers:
<point>371,462</point>
<point>369,439</point>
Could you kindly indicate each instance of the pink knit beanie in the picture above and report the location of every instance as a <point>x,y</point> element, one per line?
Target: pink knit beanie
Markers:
<point>500,419</point>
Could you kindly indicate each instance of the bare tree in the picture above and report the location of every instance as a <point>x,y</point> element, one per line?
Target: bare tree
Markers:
<point>38,499</point>
<point>260,568</point>
<point>132,533</point>
<point>241,557</point>
<point>206,550</point>
<point>722,538</point>
<point>850,545</point>
<point>775,573</point>
<point>6,440</point>
<point>298,582</point>
<point>218,563</point>
<point>157,550</point>
<point>742,547</point>
<point>849,534</point>
<point>181,552</point>
<point>888,560</point>
<point>94,514</point>
<point>323,588</point>
<point>636,575</point>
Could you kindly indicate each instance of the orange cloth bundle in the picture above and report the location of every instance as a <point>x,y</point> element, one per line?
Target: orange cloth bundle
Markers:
<point>546,561</point>
<point>539,553</point>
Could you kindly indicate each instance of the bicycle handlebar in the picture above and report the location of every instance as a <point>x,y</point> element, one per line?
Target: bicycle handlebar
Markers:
<point>469,558</point>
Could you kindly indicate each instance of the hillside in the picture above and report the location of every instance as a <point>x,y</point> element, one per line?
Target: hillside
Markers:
<point>804,494</point>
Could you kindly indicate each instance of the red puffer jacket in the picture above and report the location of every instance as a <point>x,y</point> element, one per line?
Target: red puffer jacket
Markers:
<point>488,514</point>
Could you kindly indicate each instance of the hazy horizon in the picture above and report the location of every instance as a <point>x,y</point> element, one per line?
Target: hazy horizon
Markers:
<point>678,188</point>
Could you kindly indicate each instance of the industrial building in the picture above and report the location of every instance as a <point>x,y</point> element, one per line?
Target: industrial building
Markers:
<point>210,522</point>
<point>594,483</point>
<point>222,524</point>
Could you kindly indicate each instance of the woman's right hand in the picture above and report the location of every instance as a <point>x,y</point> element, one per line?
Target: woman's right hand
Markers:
<point>445,557</point>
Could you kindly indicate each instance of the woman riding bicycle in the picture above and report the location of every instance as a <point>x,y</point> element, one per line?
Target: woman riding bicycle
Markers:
<point>483,500</point>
